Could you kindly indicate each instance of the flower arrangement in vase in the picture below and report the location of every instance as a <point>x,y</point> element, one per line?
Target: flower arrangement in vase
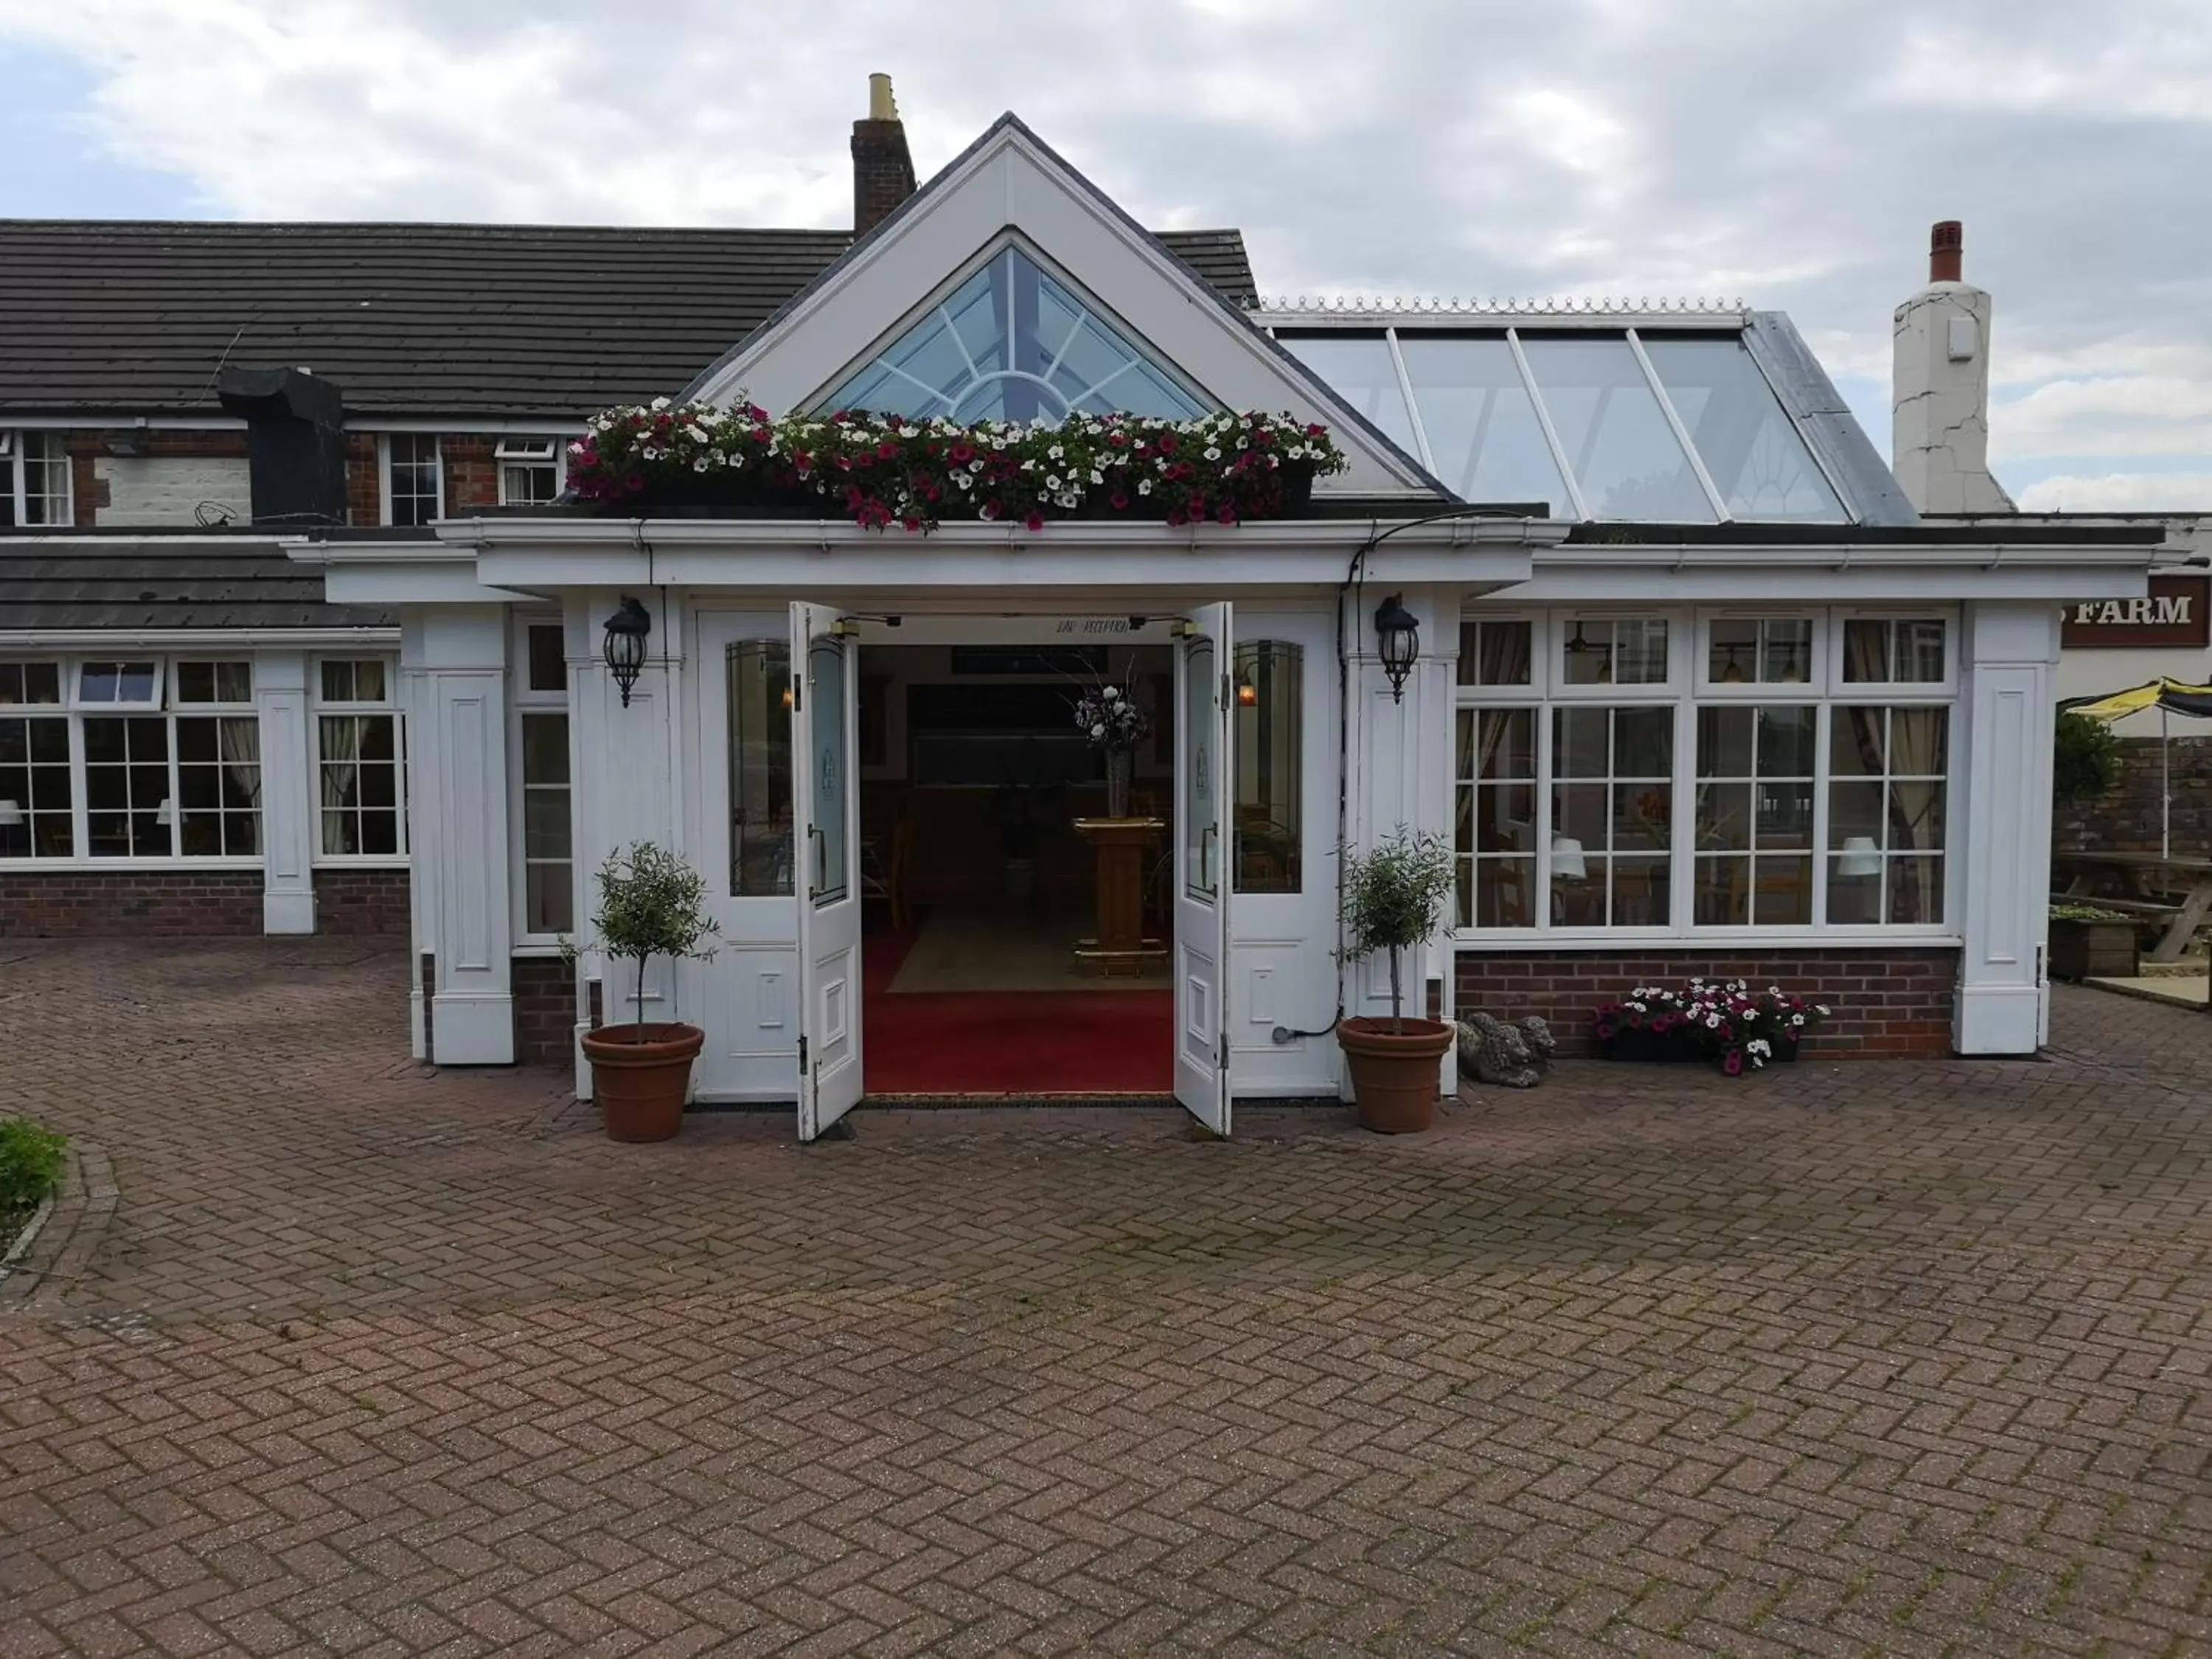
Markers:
<point>1111,718</point>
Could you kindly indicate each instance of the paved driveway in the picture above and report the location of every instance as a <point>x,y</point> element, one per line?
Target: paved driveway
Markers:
<point>335,1354</point>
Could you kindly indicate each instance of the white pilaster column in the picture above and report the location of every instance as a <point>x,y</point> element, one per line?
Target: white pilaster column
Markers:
<point>2000,855</point>
<point>1398,753</point>
<point>459,821</point>
<point>289,793</point>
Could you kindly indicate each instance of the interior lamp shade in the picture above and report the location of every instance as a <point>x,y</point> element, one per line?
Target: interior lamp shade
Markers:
<point>11,815</point>
<point>1860,857</point>
<point>1567,859</point>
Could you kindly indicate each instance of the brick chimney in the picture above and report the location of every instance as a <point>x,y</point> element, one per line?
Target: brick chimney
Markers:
<point>883,170</point>
<point>1940,388</point>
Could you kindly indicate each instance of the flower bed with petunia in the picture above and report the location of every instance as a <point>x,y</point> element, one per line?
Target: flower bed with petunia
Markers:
<point>882,470</point>
<point>1730,1023</point>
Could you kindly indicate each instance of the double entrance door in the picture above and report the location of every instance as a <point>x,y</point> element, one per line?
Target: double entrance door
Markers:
<point>780,764</point>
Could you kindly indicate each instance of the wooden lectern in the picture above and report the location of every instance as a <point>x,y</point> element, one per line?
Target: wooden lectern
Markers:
<point>1124,846</point>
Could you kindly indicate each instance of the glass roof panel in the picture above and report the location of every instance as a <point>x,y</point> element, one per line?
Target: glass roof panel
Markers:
<point>1483,433</point>
<point>1613,433</point>
<point>1014,342</point>
<point>1358,368</point>
<point>1752,451</point>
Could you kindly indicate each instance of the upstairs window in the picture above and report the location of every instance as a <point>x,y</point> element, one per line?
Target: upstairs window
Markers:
<point>530,470</point>
<point>35,479</point>
<point>1015,343</point>
<point>414,478</point>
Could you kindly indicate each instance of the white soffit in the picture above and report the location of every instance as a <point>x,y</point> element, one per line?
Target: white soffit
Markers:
<point>1009,181</point>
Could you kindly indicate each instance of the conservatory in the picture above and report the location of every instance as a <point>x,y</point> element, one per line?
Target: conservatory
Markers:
<point>1617,601</point>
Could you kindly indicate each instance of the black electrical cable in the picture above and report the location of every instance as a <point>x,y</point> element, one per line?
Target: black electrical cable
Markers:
<point>1354,585</point>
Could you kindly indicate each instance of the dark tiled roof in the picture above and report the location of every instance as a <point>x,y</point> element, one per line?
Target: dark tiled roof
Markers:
<point>134,317</point>
<point>152,581</point>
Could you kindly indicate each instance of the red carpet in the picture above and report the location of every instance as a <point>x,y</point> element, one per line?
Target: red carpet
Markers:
<point>1054,1043</point>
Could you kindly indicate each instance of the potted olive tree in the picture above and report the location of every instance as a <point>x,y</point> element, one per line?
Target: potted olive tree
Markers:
<point>1393,899</point>
<point>651,904</point>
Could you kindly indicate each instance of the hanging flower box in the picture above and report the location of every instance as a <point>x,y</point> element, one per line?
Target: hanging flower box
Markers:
<point>881,470</point>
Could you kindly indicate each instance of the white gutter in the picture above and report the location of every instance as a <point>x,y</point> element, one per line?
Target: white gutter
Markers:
<point>169,638</point>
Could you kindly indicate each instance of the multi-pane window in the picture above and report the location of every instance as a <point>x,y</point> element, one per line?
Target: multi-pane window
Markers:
<point>1668,772</point>
<point>1613,808</point>
<point>131,758</point>
<point>1270,761</point>
<point>35,793</point>
<point>35,479</point>
<point>358,760</point>
<point>1614,651</point>
<point>529,470</point>
<point>129,809</point>
<point>218,800</point>
<point>413,481</point>
<point>1760,651</point>
<point>1496,832</point>
<point>548,845</point>
<point>1756,769</point>
<point>1885,813</point>
<point>1905,651</point>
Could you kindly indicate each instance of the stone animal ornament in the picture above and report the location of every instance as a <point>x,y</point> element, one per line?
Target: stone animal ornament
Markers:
<point>1507,1057</point>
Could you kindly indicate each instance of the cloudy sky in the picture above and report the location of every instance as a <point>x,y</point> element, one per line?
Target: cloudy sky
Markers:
<point>1792,154</point>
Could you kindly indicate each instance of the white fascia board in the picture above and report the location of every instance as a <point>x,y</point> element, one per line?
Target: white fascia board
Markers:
<point>133,421</point>
<point>1834,574</point>
<point>471,426</point>
<point>1008,184</point>
<point>192,639</point>
<point>770,556</point>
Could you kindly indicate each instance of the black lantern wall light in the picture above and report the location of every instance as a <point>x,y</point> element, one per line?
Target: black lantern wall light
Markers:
<point>1397,641</point>
<point>627,631</point>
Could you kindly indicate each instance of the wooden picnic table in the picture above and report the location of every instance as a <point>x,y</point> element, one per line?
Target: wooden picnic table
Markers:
<point>2141,874</point>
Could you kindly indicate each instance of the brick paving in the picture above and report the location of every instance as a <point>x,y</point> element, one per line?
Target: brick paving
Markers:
<point>358,1357</point>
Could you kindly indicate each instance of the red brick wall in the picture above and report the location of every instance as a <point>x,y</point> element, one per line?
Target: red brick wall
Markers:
<point>472,476</point>
<point>104,903</point>
<point>364,492</point>
<point>1883,1001</point>
<point>545,1010</point>
<point>363,902</point>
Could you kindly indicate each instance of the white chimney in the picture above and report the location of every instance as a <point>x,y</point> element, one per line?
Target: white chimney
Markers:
<point>1938,441</point>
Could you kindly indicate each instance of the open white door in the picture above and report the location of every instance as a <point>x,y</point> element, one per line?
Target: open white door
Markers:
<point>825,815</point>
<point>1203,775</point>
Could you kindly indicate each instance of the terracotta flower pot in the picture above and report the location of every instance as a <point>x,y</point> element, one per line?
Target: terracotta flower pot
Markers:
<point>1394,1075</point>
<point>639,1086</point>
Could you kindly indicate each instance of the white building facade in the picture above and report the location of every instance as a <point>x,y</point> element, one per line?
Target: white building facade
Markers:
<point>1696,692</point>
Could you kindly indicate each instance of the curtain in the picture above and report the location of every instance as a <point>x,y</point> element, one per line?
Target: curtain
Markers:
<point>341,769</point>
<point>1504,660</point>
<point>1915,747</point>
<point>241,744</point>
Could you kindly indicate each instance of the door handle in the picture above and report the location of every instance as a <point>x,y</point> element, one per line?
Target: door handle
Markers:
<point>818,841</point>
<point>1205,838</point>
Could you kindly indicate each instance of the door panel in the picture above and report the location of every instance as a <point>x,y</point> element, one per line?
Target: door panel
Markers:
<point>749,1006</point>
<point>1204,762</point>
<point>826,835</point>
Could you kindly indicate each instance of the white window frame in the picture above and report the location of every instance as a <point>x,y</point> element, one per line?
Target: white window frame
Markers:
<point>523,451</point>
<point>525,701</point>
<point>1686,689</point>
<point>390,705</point>
<point>75,710</point>
<point>14,476</point>
<point>384,472</point>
